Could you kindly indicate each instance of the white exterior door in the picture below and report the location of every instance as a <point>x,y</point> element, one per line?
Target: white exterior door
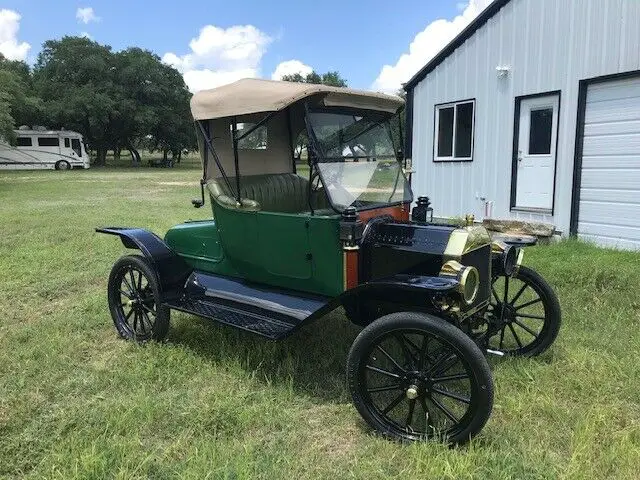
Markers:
<point>536,155</point>
<point>609,211</point>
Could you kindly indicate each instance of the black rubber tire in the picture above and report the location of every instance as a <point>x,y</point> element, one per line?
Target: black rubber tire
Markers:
<point>160,325</point>
<point>473,360</point>
<point>552,313</point>
<point>63,165</point>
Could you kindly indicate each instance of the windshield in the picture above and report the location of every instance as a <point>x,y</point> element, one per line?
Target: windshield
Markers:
<point>358,164</point>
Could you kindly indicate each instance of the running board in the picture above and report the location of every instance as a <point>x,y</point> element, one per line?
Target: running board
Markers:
<point>253,322</point>
<point>258,309</point>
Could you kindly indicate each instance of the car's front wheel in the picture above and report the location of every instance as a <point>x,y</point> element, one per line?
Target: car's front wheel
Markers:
<point>524,315</point>
<point>135,302</point>
<point>414,376</point>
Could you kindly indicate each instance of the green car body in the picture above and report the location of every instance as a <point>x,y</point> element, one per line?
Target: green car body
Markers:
<point>298,251</point>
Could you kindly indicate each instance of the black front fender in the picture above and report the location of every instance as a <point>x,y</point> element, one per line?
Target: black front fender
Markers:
<point>172,271</point>
<point>411,292</point>
<point>517,241</point>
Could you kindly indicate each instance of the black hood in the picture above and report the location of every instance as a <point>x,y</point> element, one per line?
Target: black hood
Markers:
<point>424,238</point>
<point>390,247</point>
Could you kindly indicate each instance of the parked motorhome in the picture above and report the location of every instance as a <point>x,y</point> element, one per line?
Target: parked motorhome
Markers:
<point>44,149</point>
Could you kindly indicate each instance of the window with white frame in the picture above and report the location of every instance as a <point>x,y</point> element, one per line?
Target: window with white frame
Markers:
<point>454,131</point>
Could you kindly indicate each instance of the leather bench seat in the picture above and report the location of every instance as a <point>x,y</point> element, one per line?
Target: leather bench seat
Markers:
<point>282,192</point>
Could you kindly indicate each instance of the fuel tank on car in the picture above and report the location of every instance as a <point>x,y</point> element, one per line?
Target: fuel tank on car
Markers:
<point>390,247</point>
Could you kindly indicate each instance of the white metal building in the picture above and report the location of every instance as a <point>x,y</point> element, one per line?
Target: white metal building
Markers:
<point>533,113</point>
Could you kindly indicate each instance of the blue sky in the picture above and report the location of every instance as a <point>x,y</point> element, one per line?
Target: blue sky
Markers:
<point>252,38</point>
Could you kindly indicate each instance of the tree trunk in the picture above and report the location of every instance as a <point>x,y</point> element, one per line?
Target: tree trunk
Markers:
<point>179,156</point>
<point>165,153</point>
<point>101,157</point>
<point>116,154</point>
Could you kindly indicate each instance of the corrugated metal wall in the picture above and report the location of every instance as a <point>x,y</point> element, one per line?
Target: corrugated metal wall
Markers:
<point>549,45</point>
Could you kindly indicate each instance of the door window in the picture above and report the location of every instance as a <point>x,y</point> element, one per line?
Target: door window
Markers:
<point>66,143</point>
<point>75,144</point>
<point>541,131</point>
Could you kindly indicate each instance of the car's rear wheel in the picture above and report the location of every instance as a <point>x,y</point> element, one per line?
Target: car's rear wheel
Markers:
<point>135,302</point>
<point>414,376</point>
<point>63,165</point>
<point>524,316</point>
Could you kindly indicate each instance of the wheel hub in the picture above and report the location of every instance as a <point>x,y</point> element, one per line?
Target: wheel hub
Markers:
<point>416,384</point>
<point>506,312</point>
<point>138,302</point>
<point>412,392</point>
<point>509,312</point>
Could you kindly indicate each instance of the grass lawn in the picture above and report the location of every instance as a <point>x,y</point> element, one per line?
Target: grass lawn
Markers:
<point>78,402</point>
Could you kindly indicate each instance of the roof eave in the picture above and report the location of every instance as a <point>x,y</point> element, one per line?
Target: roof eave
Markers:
<point>452,46</point>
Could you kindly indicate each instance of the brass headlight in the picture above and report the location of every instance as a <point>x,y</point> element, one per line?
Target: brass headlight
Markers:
<point>510,257</point>
<point>468,279</point>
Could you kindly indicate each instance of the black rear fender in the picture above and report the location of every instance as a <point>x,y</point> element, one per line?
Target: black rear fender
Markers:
<point>171,269</point>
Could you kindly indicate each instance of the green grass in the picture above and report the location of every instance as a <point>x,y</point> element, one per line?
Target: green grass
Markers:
<point>78,402</point>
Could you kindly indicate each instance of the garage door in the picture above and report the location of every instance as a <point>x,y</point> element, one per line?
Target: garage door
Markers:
<point>609,211</point>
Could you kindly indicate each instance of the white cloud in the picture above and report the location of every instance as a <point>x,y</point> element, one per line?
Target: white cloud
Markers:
<point>86,15</point>
<point>9,46</point>
<point>219,56</point>
<point>86,35</point>
<point>172,59</point>
<point>426,45</point>
<point>290,67</point>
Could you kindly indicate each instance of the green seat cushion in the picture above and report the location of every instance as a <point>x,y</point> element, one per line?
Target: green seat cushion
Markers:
<point>285,192</point>
<point>282,192</point>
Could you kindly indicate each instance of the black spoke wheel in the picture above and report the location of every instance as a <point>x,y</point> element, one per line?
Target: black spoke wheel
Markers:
<point>134,300</point>
<point>524,315</point>
<point>414,376</point>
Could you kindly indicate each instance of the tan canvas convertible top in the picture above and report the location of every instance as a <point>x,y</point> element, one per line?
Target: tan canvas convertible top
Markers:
<point>252,95</point>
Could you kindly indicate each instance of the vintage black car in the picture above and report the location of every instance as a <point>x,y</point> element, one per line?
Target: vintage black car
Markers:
<point>284,247</point>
